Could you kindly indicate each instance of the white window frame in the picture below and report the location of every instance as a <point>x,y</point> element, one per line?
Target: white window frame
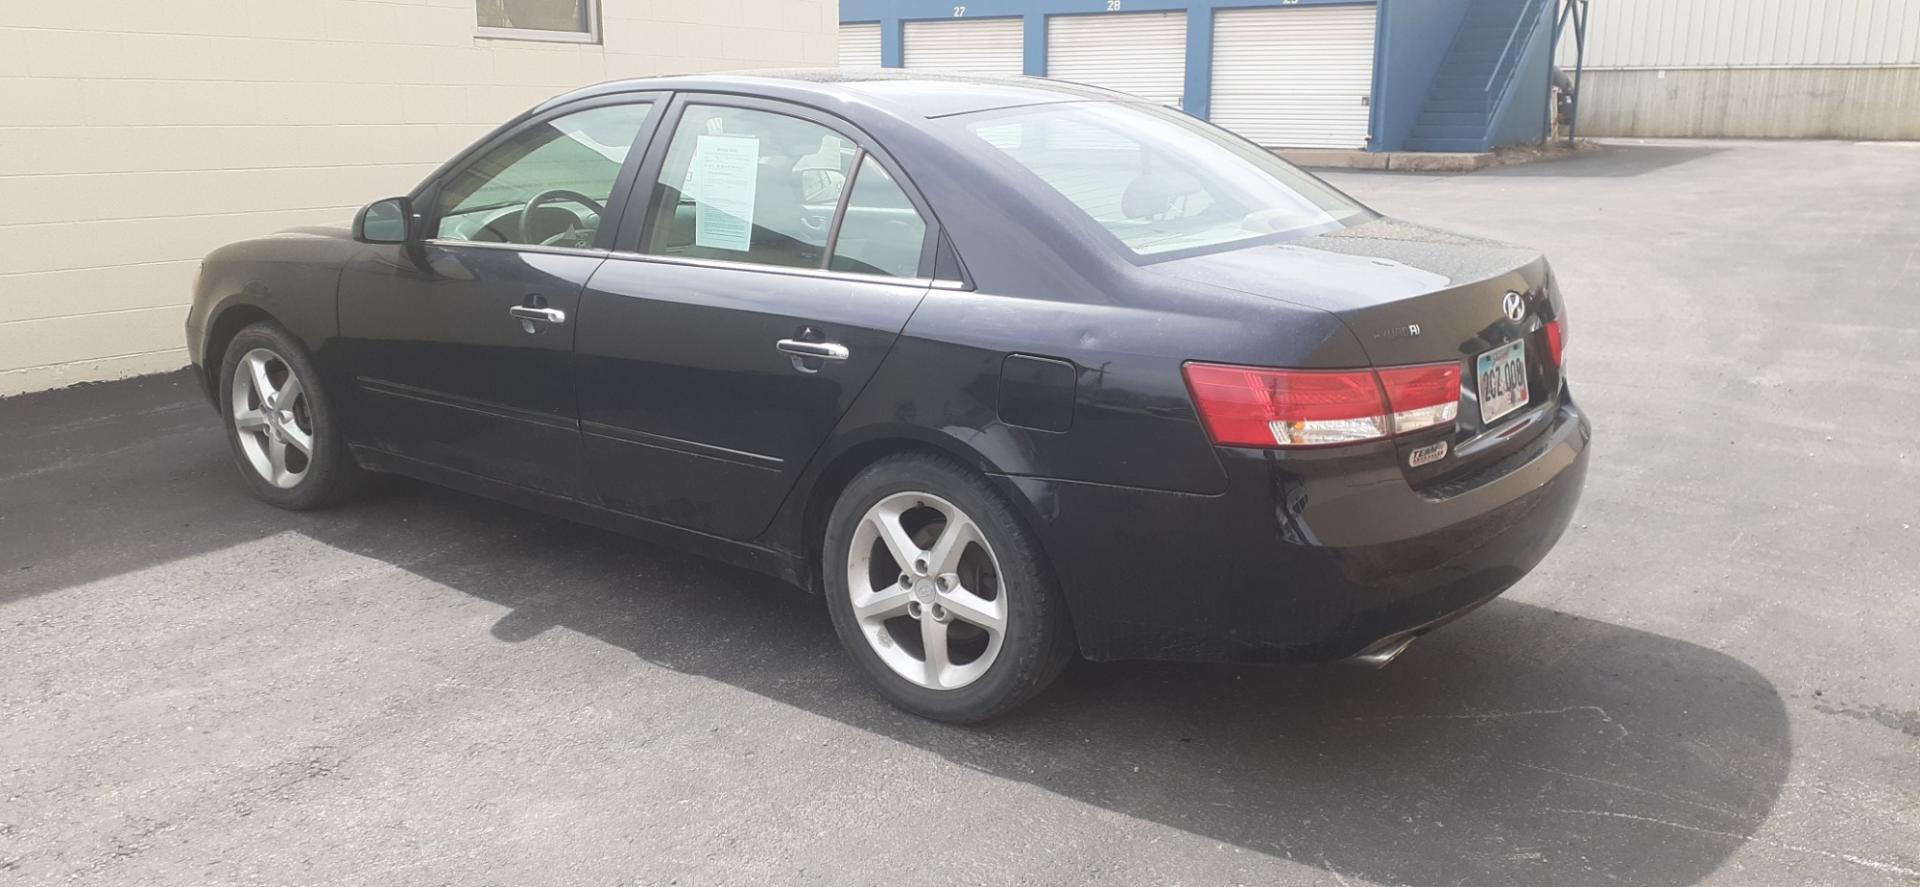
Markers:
<point>590,35</point>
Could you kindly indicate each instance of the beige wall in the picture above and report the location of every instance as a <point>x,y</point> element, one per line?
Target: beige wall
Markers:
<point>137,135</point>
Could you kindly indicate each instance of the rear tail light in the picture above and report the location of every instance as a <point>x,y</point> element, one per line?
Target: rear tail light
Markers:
<point>1556,341</point>
<point>1268,408</point>
<point>1422,396</point>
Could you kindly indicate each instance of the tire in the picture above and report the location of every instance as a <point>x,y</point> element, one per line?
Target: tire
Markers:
<point>320,474</point>
<point>958,585</point>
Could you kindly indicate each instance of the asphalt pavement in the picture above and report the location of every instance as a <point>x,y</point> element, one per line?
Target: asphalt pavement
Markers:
<point>1712,680</point>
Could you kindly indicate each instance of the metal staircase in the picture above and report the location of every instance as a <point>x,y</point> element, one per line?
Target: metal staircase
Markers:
<point>1479,68</point>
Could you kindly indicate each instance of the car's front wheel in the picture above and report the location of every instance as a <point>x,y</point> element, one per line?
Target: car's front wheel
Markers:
<point>939,591</point>
<point>280,423</point>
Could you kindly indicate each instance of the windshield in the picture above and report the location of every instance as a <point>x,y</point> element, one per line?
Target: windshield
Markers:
<point>1161,181</point>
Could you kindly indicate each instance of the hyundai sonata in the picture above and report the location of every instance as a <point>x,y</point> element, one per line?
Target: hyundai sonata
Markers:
<point>1006,370</point>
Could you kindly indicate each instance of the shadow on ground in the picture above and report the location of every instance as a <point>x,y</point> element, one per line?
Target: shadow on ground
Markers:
<point>1519,746</point>
<point>1609,161</point>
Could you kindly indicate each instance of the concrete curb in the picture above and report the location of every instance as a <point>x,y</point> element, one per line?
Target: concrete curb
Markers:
<point>1401,160</point>
<point>1437,161</point>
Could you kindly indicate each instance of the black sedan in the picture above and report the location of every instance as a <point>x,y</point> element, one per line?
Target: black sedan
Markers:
<point>1005,369</point>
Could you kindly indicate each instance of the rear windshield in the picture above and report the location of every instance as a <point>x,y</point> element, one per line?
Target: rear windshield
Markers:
<point>1161,181</point>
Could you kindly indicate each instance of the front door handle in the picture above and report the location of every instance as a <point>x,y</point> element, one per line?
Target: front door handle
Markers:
<point>538,315</point>
<point>821,350</point>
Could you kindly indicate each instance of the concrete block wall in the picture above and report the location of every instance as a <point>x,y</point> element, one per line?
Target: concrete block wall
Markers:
<point>137,135</point>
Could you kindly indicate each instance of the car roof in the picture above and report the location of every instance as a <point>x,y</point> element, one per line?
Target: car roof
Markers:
<point>906,93</point>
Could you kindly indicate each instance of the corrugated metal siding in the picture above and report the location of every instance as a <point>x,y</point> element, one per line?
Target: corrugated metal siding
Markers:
<point>1749,34</point>
<point>1141,53</point>
<point>1852,102</point>
<point>1294,76</point>
<point>860,46</point>
<point>973,46</point>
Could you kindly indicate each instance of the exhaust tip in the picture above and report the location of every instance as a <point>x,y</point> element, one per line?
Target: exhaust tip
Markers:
<point>1382,652</point>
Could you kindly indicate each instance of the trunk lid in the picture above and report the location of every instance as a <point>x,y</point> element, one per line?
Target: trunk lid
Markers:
<point>1411,295</point>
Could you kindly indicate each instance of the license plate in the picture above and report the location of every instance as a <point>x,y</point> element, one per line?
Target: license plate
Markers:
<point>1503,380</point>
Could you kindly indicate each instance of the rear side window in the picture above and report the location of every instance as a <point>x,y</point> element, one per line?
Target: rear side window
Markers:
<point>749,186</point>
<point>881,232</point>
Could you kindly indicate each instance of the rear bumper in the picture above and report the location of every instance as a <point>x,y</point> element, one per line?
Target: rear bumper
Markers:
<point>1305,558</point>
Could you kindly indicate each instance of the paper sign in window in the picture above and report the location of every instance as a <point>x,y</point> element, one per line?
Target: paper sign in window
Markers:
<point>721,184</point>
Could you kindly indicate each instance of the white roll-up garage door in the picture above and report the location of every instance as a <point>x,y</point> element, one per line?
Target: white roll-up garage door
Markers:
<point>860,46</point>
<point>1143,53</point>
<point>973,46</point>
<point>1295,77</point>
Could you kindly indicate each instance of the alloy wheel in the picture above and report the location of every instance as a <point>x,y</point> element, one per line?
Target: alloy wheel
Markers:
<point>271,414</point>
<point>926,591</point>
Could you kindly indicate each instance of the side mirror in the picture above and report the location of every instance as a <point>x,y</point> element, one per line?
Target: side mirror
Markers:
<point>385,221</point>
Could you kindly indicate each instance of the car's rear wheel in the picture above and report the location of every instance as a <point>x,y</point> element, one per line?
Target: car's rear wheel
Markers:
<point>280,423</point>
<point>940,593</point>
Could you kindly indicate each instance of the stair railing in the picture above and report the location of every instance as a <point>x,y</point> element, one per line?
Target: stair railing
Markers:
<point>1528,22</point>
<point>1576,12</point>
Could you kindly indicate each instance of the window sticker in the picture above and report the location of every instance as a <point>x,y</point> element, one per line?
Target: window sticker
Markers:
<point>721,184</point>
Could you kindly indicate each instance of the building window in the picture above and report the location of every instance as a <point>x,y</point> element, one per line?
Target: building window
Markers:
<point>571,21</point>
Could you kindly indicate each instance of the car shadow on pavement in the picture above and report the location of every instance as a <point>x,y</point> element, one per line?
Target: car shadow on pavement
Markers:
<point>1612,160</point>
<point>1518,746</point>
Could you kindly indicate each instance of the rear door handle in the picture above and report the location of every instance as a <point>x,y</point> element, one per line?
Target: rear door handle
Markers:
<point>538,315</point>
<point>822,350</point>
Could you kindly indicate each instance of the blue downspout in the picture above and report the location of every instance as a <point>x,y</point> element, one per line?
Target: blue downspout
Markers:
<point>1033,44</point>
<point>892,44</point>
<point>1382,56</point>
<point>1198,92</point>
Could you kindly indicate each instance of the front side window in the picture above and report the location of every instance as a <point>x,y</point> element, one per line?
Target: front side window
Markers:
<point>1160,181</point>
<point>565,20</point>
<point>546,185</point>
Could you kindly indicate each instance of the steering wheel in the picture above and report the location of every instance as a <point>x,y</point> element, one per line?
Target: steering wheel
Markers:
<point>526,212</point>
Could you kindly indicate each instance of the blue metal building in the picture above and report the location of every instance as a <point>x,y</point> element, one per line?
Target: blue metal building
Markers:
<point>1387,75</point>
